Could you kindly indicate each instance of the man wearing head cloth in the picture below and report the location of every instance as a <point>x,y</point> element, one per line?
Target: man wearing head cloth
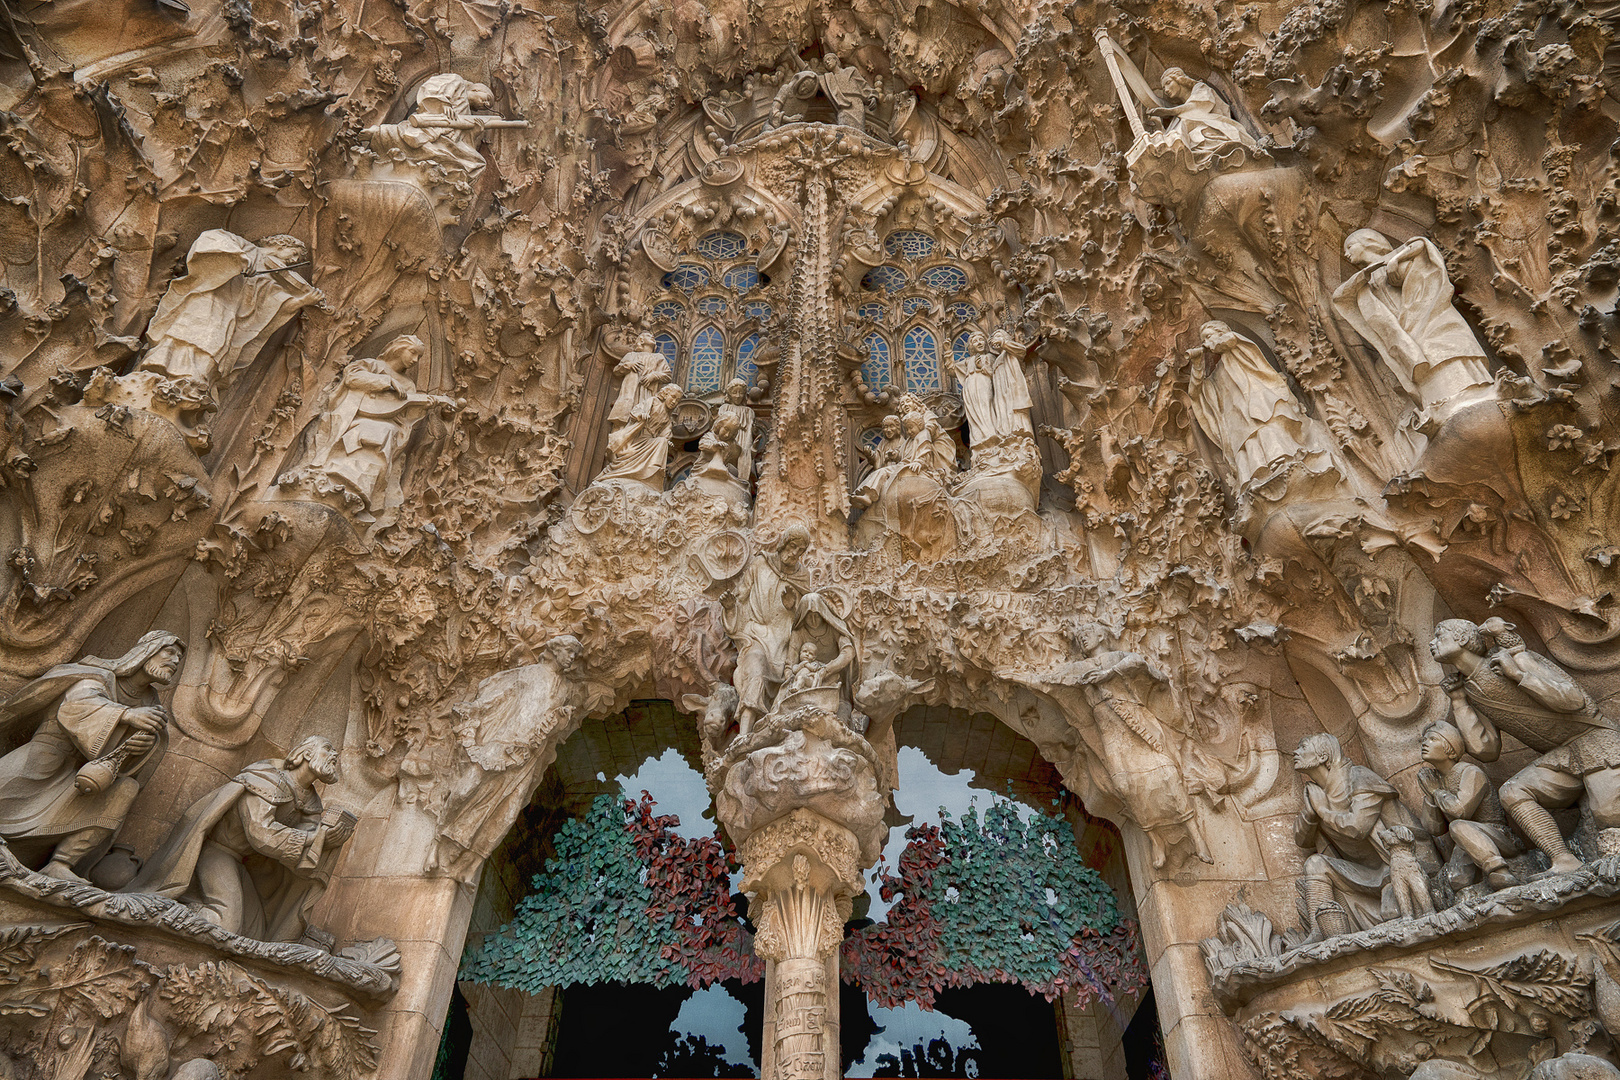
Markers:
<point>95,732</point>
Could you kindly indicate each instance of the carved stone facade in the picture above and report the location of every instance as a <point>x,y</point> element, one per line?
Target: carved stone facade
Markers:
<point>392,390</point>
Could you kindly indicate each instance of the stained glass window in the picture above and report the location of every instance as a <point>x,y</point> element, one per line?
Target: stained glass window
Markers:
<point>870,438</point>
<point>703,366</point>
<point>668,309</point>
<point>959,346</point>
<point>875,371</point>
<point>757,309</point>
<point>920,353</point>
<point>914,304</point>
<point>741,278</point>
<point>947,279</point>
<point>667,345</point>
<point>722,245</point>
<point>884,279</point>
<point>711,305</point>
<point>747,371</point>
<point>875,312</point>
<point>961,311</point>
<point>688,277</point>
<point>909,244</point>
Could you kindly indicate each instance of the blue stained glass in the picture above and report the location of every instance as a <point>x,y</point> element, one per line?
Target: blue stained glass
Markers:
<point>747,371</point>
<point>962,311</point>
<point>914,304</point>
<point>721,245</point>
<point>688,277</point>
<point>870,438</point>
<point>959,347</point>
<point>884,279</point>
<point>742,278</point>
<point>668,309</point>
<point>909,244</point>
<point>711,305</point>
<point>703,366</point>
<point>921,356</point>
<point>875,371</point>
<point>875,312</point>
<point>946,279</point>
<point>757,309</point>
<point>667,345</point>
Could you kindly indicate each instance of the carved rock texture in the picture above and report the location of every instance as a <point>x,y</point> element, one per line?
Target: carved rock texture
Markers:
<point>1177,383</point>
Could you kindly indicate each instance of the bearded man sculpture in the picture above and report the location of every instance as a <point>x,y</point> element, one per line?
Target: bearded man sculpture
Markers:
<point>97,734</point>
<point>255,854</point>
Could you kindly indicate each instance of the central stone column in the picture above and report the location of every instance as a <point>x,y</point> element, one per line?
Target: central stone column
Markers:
<point>801,873</point>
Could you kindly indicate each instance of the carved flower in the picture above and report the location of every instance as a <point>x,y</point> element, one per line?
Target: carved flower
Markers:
<point>1563,436</point>
<point>1563,506</point>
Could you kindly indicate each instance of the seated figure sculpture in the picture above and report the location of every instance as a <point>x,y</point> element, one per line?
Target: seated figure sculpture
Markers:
<point>1346,882</point>
<point>638,449</point>
<point>96,735</point>
<point>209,326</point>
<point>1461,804</point>
<point>255,854</point>
<point>1502,687</point>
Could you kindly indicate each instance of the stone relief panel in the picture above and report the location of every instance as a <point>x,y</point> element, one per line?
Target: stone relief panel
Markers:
<point>387,391</point>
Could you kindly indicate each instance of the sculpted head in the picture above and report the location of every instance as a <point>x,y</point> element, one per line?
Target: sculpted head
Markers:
<point>1212,332</point>
<point>670,395</point>
<point>646,342</point>
<point>807,652</point>
<point>319,754</point>
<point>736,391</point>
<point>1091,637</point>
<point>1453,637</point>
<point>165,663</point>
<point>283,250</point>
<point>977,342</point>
<point>794,543</point>
<point>1366,246</point>
<point>891,427</point>
<point>563,650</point>
<point>1442,742</point>
<point>1176,84</point>
<point>1317,750</point>
<point>403,353</point>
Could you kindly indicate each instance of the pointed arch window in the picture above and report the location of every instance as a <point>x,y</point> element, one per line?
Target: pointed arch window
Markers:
<point>920,354</point>
<point>703,365</point>
<point>875,370</point>
<point>747,370</point>
<point>666,344</point>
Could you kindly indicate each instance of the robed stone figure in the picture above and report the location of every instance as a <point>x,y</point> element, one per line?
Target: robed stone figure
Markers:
<point>95,734</point>
<point>255,854</point>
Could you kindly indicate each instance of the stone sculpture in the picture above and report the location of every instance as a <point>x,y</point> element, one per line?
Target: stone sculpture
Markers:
<point>1461,804</point>
<point>1400,300</point>
<point>1197,121</point>
<point>886,459</point>
<point>638,449</point>
<point>95,733</point>
<point>210,326</point>
<point>1245,407</point>
<point>1501,687</point>
<point>352,450</point>
<point>645,370</point>
<point>759,611</point>
<point>1347,875</point>
<point>234,295</point>
<point>995,393</point>
<point>849,92</point>
<point>736,406</point>
<point>254,855</point>
<point>443,130</point>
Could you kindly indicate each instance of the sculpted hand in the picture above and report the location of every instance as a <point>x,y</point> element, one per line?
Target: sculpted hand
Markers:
<point>339,833</point>
<point>1429,779</point>
<point>141,742</point>
<point>149,718</point>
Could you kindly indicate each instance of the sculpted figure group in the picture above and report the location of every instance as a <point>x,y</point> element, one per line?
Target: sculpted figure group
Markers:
<point>252,856</point>
<point>1372,859</point>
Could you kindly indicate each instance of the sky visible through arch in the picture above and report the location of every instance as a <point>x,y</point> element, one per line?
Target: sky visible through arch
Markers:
<point>717,1016</point>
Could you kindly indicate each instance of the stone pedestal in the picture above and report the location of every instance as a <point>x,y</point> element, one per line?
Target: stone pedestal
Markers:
<point>800,873</point>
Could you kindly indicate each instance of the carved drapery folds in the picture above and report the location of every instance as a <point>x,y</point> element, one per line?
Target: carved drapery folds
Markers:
<point>1162,384</point>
